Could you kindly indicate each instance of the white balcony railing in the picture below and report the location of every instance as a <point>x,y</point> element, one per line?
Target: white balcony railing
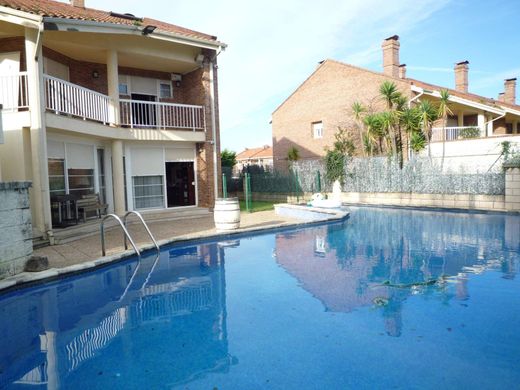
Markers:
<point>142,114</point>
<point>13,91</point>
<point>457,133</point>
<point>63,97</point>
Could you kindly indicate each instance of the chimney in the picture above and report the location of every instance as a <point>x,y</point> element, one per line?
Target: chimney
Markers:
<point>461,76</point>
<point>391,56</point>
<point>510,91</point>
<point>501,97</point>
<point>402,71</point>
<point>78,3</point>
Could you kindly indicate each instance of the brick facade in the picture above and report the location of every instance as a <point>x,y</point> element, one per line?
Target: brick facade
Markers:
<point>13,44</point>
<point>326,96</point>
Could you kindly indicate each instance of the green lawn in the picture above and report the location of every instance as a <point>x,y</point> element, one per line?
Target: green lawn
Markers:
<point>257,206</point>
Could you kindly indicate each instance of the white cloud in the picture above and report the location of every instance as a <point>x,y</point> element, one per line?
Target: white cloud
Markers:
<point>274,45</point>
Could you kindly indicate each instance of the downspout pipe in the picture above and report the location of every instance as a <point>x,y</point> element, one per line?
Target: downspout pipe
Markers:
<point>213,125</point>
<point>415,98</point>
<point>491,121</point>
<point>214,119</point>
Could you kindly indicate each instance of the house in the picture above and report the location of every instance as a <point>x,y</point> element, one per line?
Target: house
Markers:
<point>108,103</point>
<point>262,156</point>
<point>311,115</point>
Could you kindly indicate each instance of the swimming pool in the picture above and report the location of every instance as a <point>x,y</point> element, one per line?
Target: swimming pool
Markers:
<point>388,299</point>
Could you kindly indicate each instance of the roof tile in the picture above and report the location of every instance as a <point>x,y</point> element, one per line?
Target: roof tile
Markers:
<point>55,9</point>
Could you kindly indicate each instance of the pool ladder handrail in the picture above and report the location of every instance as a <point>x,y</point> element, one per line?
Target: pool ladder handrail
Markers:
<point>138,214</point>
<point>125,231</point>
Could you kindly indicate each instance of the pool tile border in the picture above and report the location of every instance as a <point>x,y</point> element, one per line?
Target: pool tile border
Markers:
<point>27,279</point>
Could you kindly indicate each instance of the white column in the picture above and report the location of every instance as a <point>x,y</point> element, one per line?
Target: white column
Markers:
<point>40,200</point>
<point>480,122</point>
<point>460,118</point>
<point>489,127</point>
<point>113,86</point>
<point>118,177</point>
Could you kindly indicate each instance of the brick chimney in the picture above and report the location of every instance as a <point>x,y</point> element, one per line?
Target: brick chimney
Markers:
<point>402,71</point>
<point>78,3</point>
<point>461,76</point>
<point>391,56</point>
<point>510,91</point>
<point>501,97</point>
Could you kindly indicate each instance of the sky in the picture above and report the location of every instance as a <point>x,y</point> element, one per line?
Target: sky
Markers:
<point>274,45</point>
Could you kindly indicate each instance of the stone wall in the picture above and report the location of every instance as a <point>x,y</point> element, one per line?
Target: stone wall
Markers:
<point>16,227</point>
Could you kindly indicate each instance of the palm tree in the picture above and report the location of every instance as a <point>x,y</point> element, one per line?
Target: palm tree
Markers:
<point>389,92</point>
<point>358,110</point>
<point>428,115</point>
<point>410,121</point>
<point>443,112</point>
<point>391,95</point>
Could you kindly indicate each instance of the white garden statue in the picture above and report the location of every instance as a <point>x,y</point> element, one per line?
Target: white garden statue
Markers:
<point>334,202</point>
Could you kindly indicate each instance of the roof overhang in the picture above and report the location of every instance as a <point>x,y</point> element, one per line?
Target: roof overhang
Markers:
<point>458,99</point>
<point>61,24</point>
<point>21,18</point>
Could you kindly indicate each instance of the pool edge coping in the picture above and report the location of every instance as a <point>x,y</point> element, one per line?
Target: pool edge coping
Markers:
<point>28,279</point>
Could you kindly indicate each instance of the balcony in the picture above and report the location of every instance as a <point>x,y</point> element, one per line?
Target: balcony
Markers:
<point>142,114</point>
<point>457,133</point>
<point>65,98</point>
<point>13,92</point>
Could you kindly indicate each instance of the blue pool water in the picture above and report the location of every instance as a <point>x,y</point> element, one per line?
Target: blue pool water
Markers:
<point>350,305</point>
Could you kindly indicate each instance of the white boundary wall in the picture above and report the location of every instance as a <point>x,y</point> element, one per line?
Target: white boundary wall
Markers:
<point>472,155</point>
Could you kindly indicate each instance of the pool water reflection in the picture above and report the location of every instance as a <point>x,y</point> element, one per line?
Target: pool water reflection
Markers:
<point>390,298</point>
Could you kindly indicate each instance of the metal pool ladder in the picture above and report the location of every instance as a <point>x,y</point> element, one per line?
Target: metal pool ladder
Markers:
<point>127,236</point>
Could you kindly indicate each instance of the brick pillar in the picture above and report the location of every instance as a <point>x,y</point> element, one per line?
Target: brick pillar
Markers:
<point>512,188</point>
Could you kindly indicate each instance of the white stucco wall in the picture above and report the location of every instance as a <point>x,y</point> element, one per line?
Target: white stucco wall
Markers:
<point>474,155</point>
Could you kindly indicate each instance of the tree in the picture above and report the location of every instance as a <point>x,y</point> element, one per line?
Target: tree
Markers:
<point>428,115</point>
<point>443,111</point>
<point>336,158</point>
<point>358,110</point>
<point>228,158</point>
<point>293,154</point>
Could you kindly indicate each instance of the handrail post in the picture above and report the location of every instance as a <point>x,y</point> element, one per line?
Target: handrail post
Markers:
<point>125,231</point>
<point>145,226</point>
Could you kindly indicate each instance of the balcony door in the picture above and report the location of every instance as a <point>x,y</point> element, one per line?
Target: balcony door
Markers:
<point>144,112</point>
<point>180,184</point>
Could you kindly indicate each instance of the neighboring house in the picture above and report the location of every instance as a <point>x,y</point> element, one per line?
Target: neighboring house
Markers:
<point>108,103</point>
<point>311,115</point>
<point>256,156</point>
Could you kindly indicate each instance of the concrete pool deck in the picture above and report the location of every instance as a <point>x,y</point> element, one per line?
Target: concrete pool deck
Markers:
<point>85,253</point>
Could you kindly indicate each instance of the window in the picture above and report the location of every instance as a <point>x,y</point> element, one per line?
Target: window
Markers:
<point>81,181</point>
<point>56,176</point>
<point>165,90</point>
<point>123,89</point>
<point>148,192</point>
<point>317,130</point>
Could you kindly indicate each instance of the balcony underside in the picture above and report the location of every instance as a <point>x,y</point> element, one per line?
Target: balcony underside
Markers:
<point>91,128</point>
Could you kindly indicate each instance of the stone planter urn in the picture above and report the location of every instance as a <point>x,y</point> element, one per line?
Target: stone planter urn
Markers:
<point>227,214</point>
